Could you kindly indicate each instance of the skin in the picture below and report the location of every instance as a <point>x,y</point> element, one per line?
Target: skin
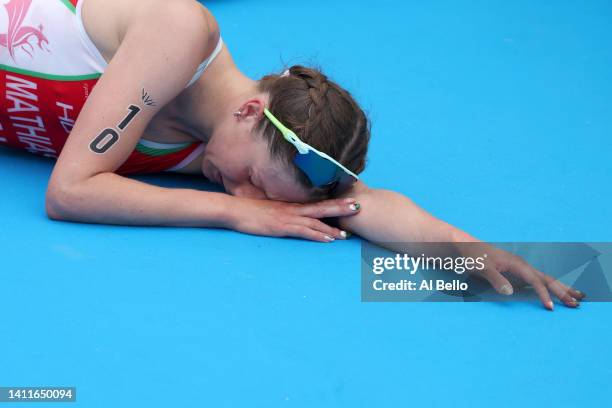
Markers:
<point>264,198</point>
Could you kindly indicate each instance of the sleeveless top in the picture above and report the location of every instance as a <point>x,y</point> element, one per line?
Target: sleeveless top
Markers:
<point>48,67</point>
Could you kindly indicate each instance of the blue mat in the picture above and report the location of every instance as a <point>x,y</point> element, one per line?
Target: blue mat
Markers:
<point>496,116</point>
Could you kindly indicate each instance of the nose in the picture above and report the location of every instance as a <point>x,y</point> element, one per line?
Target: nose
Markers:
<point>246,190</point>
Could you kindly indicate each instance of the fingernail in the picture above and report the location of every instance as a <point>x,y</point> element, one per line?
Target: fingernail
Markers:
<point>343,234</point>
<point>355,207</point>
<point>581,294</point>
<point>550,305</point>
<point>506,289</point>
<point>330,239</point>
<point>574,302</point>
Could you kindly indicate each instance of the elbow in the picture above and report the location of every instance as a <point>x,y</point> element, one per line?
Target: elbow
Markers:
<point>59,202</point>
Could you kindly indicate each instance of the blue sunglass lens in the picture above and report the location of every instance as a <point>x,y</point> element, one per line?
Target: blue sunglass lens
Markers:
<point>322,172</point>
<point>319,170</point>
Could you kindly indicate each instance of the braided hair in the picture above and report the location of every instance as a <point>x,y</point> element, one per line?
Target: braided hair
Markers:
<point>321,113</point>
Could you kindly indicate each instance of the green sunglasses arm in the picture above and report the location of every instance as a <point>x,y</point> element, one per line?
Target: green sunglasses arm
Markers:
<point>276,122</point>
<point>288,134</point>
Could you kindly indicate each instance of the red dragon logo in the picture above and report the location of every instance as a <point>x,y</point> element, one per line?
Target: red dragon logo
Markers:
<point>18,36</point>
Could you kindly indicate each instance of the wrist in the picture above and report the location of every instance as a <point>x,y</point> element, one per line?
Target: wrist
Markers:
<point>231,210</point>
<point>220,212</point>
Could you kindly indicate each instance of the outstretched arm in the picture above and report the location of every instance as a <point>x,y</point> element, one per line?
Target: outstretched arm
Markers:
<point>393,220</point>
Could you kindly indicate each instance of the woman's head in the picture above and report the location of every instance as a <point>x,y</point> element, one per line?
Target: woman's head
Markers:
<point>321,113</point>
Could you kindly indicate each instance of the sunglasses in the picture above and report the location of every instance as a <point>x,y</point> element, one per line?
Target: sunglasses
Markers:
<point>321,169</point>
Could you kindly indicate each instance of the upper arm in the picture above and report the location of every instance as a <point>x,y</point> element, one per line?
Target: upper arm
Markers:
<point>157,56</point>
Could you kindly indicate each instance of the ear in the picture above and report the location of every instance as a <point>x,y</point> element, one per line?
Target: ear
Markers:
<point>252,110</point>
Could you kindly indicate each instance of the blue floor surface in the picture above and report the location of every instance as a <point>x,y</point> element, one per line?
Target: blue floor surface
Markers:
<point>496,116</point>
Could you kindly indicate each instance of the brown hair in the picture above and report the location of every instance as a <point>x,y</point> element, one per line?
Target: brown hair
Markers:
<point>321,113</point>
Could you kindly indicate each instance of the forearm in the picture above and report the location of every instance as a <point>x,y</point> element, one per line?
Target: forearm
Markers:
<point>389,217</point>
<point>108,198</point>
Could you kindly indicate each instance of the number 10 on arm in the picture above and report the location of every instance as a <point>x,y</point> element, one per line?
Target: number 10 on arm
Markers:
<point>109,136</point>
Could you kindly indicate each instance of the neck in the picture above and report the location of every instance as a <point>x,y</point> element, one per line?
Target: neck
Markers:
<point>208,102</point>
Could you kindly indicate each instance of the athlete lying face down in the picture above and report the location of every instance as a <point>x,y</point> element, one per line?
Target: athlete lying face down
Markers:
<point>98,85</point>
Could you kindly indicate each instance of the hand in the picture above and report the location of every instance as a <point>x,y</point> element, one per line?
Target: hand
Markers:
<point>499,261</point>
<point>281,219</point>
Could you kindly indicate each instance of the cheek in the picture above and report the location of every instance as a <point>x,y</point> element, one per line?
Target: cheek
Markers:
<point>234,167</point>
<point>228,161</point>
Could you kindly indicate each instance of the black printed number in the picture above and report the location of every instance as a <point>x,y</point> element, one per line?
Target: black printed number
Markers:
<point>133,112</point>
<point>108,137</point>
<point>104,141</point>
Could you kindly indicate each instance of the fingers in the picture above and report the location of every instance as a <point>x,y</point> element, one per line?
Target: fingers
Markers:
<point>542,283</point>
<point>576,294</point>
<point>539,281</point>
<point>543,294</point>
<point>311,229</point>
<point>301,220</point>
<point>533,278</point>
<point>569,297</point>
<point>498,281</point>
<point>322,227</point>
<point>341,207</point>
<point>302,231</point>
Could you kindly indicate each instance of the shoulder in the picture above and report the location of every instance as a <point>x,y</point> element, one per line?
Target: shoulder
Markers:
<point>182,20</point>
<point>178,14</point>
<point>186,22</point>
